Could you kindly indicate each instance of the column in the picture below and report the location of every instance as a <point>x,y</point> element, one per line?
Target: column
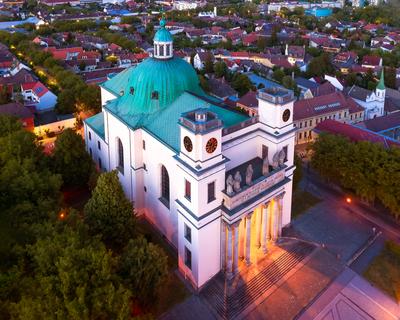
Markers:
<point>236,248</point>
<point>248,238</point>
<point>229,255</point>
<point>265,227</point>
<point>223,245</point>
<point>280,206</point>
<point>275,218</point>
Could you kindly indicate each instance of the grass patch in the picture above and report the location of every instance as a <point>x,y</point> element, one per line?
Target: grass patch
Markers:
<point>173,291</point>
<point>302,201</point>
<point>384,271</point>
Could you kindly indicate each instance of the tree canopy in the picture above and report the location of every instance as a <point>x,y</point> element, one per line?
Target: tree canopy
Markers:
<point>368,169</point>
<point>71,160</point>
<point>109,213</point>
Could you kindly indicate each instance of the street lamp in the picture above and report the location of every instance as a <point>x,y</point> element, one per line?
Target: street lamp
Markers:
<point>348,200</point>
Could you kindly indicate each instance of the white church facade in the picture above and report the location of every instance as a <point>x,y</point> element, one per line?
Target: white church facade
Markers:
<point>215,182</point>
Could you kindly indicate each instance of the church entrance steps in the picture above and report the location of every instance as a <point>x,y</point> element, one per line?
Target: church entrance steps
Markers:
<point>231,299</point>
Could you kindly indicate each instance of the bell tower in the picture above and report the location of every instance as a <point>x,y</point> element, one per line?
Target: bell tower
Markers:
<point>275,109</point>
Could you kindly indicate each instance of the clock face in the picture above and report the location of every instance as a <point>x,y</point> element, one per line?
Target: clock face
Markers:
<point>211,145</point>
<point>188,144</point>
<point>286,115</point>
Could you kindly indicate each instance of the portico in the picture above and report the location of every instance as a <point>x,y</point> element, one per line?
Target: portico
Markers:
<point>246,240</point>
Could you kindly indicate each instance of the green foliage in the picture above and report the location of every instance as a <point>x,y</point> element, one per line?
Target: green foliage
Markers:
<point>109,213</point>
<point>384,271</point>
<point>71,160</point>
<point>74,278</point>
<point>144,268</point>
<point>320,66</point>
<point>204,83</point>
<point>278,74</point>
<point>119,39</point>
<point>372,171</point>
<point>208,63</point>
<point>220,69</point>
<point>241,83</point>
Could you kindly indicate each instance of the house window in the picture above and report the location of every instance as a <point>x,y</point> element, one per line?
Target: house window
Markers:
<point>301,124</point>
<point>154,95</point>
<point>100,167</point>
<point>131,90</point>
<point>164,186</point>
<point>144,167</point>
<point>351,117</point>
<point>168,49</point>
<point>90,135</point>
<point>144,145</point>
<point>305,124</point>
<point>300,136</point>
<point>98,145</point>
<point>309,134</point>
<point>120,156</point>
<point>90,152</point>
<point>211,192</point>
<point>188,233</point>
<point>188,190</point>
<point>340,116</point>
<point>188,258</point>
<point>161,48</point>
<point>310,123</point>
<point>345,114</point>
<point>285,149</point>
<point>145,189</point>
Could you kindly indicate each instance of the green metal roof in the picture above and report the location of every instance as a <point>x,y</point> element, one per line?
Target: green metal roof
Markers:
<point>381,83</point>
<point>169,78</point>
<point>97,124</point>
<point>163,35</point>
<point>164,124</point>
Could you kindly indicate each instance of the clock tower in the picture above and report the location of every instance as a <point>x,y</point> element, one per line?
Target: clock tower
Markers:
<point>275,109</point>
<point>201,135</point>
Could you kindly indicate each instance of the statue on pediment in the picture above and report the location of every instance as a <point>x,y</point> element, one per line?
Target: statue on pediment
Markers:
<point>265,166</point>
<point>249,174</point>
<point>282,157</point>
<point>275,160</point>
<point>237,182</point>
<point>229,185</point>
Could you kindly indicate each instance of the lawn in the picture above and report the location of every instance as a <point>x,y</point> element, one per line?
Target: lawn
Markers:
<point>384,271</point>
<point>173,291</point>
<point>302,201</point>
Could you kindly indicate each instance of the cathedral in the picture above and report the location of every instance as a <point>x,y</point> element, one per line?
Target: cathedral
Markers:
<point>214,181</point>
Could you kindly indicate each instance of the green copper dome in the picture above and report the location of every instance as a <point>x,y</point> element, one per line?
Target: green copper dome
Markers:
<point>163,35</point>
<point>153,85</point>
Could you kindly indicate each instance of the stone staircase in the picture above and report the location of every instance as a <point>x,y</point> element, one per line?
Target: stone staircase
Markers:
<point>229,306</point>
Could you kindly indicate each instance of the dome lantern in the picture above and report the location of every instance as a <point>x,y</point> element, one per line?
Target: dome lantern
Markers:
<point>163,43</point>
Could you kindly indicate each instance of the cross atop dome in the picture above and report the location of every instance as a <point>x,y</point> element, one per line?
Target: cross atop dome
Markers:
<point>163,42</point>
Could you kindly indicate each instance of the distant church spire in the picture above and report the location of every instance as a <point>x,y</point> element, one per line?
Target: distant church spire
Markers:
<point>381,83</point>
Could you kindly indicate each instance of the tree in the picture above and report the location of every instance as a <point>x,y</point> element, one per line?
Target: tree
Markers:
<point>5,96</point>
<point>220,69</point>
<point>144,269</point>
<point>109,213</point>
<point>241,83</point>
<point>262,43</point>
<point>71,160</point>
<point>320,66</point>
<point>208,63</point>
<point>278,74</point>
<point>74,277</point>
<point>204,83</point>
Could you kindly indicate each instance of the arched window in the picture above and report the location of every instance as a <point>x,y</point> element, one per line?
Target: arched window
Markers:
<point>120,156</point>
<point>164,186</point>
